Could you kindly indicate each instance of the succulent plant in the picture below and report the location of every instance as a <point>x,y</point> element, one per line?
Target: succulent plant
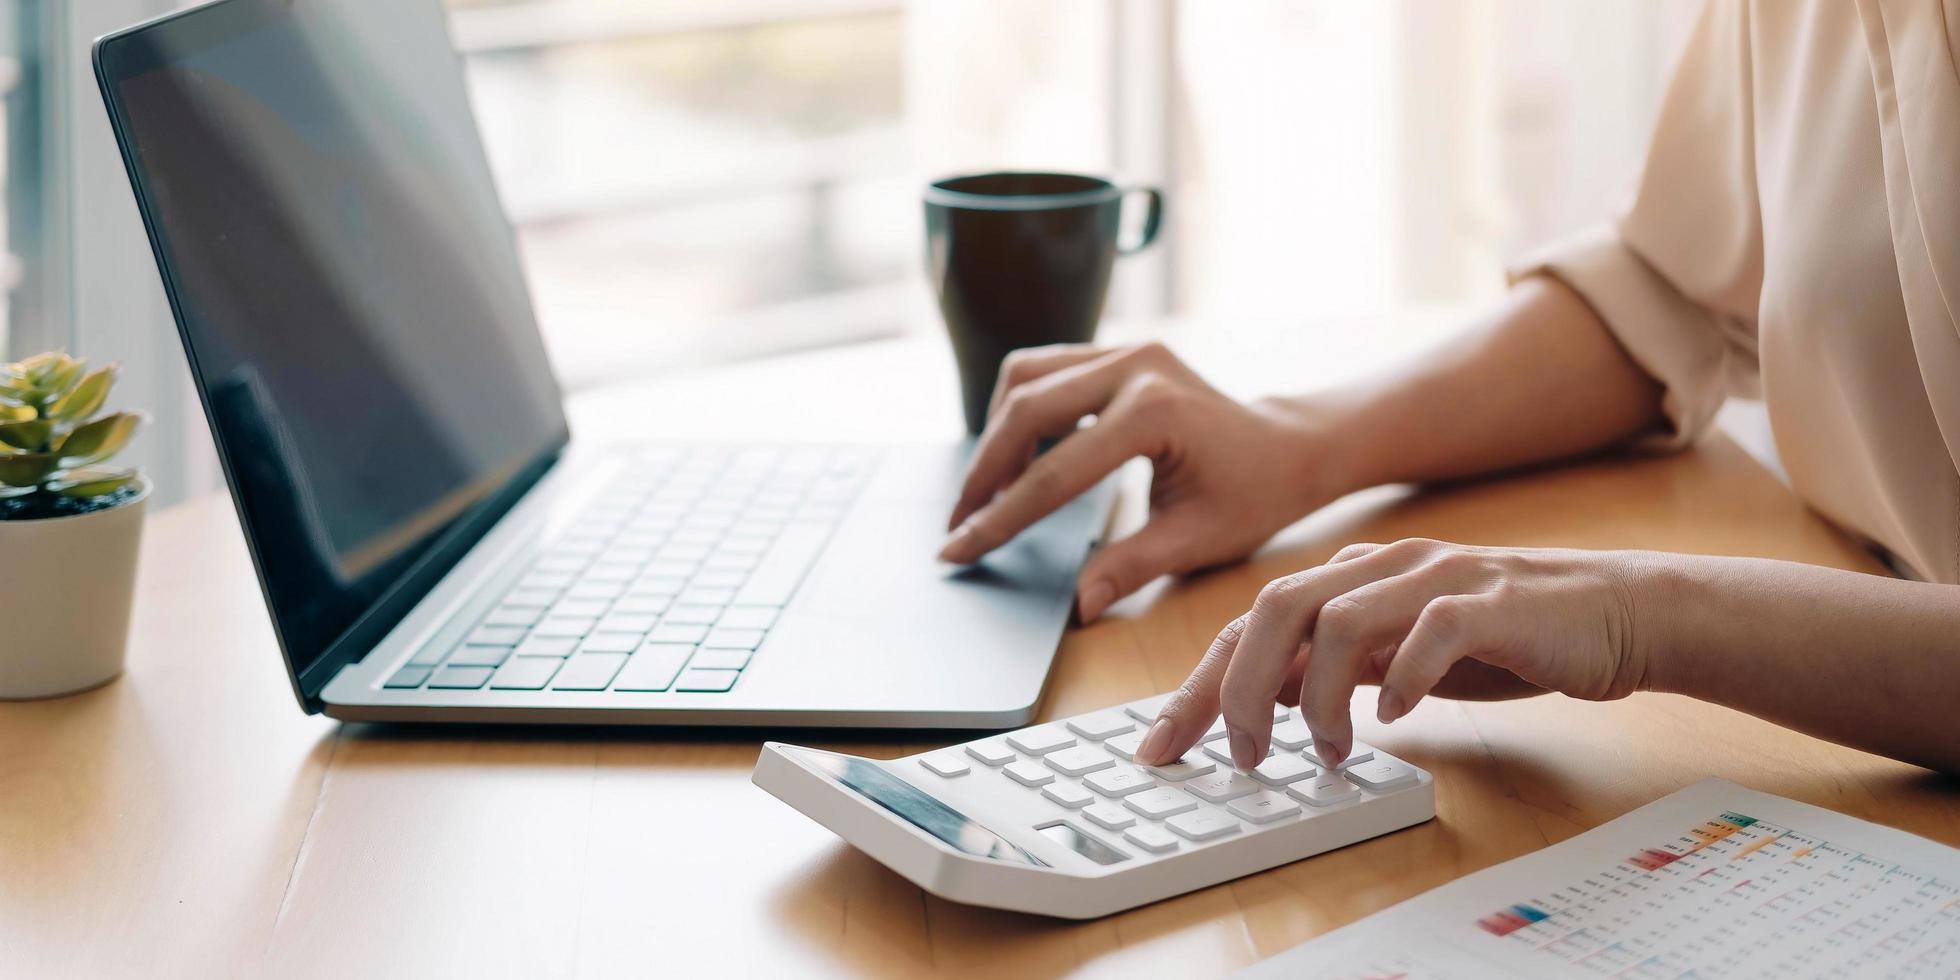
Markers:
<point>50,448</point>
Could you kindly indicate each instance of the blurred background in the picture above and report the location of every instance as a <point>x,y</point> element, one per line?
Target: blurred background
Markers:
<point>695,182</point>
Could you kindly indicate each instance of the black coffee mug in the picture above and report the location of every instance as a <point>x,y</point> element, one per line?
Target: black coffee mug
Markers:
<point>1022,260</point>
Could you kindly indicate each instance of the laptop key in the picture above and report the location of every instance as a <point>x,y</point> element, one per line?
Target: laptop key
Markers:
<point>460,678</point>
<point>525,673</point>
<point>653,667</point>
<point>573,626</point>
<point>600,591</point>
<point>410,676</point>
<point>733,639</point>
<point>509,615</point>
<point>722,658</point>
<point>706,597</point>
<point>496,636</point>
<point>678,633</point>
<point>641,605</point>
<point>610,643</point>
<point>706,681</point>
<point>693,615</point>
<point>539,598</point>
<point>478,656</point>
<point>580,608</point>
<point>588,672</point>
<point>547,646</point>
<point>625,623</point>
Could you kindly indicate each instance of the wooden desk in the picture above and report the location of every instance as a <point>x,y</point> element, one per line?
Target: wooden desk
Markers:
<point>188,820</point>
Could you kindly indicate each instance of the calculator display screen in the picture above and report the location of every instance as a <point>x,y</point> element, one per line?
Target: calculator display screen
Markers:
<point>902,799</point>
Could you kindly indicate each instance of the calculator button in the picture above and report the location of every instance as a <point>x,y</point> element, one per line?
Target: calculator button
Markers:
<point>1119,782</point>
<point>1202,826</point>
<point>1292,735</point>
<point>1146,710</point>
<point>945,764</point>
<point>1223,752</point>
<point>1109,816</point>
<point>1264,806</point>
<point>1382,775</point>
<point>1151,838</point>
<point>1069,795</point>
<point>991,753</point>
<point>1028,772</point>
<point>1282,769</point>
<point>1160,803</point>
<point>1221,786</point>
<point>1326,789</point>
<point>1100,725</point>
<point>1362,752</point>
<point>1041,741</point>
<point>1079,760</point>
<point>1185,768</point>
<point>1125,746</point>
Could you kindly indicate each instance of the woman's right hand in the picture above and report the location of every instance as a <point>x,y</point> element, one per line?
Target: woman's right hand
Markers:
<point>1227,476</point>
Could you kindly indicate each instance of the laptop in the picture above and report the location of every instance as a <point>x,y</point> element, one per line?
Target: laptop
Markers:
<point>431,542</point>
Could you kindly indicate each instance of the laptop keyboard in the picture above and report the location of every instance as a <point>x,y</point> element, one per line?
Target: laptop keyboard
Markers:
<point>670,580</point>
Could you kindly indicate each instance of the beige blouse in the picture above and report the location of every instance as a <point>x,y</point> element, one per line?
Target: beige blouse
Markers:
<point>1796,236</point>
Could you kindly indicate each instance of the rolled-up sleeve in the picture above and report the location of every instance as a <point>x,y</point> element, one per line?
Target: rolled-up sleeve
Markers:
<point>1678,277</point>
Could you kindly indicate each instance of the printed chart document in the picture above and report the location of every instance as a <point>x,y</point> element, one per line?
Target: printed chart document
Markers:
<point>1713,881</point>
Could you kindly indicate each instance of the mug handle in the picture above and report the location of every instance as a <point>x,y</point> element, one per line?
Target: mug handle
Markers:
<point>1152,218</point>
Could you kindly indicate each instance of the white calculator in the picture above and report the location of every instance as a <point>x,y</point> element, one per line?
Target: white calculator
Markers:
<point>1058,820</point>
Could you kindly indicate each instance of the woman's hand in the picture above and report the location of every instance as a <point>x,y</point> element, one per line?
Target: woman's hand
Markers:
<point>1227,476</point>
<point>1404,616</point>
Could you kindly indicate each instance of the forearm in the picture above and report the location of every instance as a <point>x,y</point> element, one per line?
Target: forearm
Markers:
<point>1541,379</point>
<point>1863,660</point>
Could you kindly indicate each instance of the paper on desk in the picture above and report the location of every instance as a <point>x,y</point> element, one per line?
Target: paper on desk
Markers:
<point>1713,881</point>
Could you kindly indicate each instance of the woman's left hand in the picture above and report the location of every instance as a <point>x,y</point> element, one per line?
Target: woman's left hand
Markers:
<point>1404,616</point>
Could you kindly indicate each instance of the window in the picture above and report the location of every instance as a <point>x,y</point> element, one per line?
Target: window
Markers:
<point>695,181</point>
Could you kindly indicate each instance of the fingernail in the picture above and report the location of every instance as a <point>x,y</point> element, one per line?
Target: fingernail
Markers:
<point>1154,744</point>
<point>1243,757</point>
<point>959,545</point>
<point>1095,599</point>
<point>1390,707</point>
<point>1330,753</point>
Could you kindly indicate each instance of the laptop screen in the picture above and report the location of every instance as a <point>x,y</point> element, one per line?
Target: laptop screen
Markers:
<point>347,289</point>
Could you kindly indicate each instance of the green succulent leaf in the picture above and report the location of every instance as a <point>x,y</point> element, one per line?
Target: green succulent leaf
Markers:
<point>15,413</point>
<point>62,379</point>
<point>37,367</point>
<point>92,482</point>
<point>27,469</point>
<point>86,397</point>
<point>98,440</point>
<point>31,434</point>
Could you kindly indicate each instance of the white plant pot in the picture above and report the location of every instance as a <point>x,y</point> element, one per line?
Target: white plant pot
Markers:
<point>65,599</point>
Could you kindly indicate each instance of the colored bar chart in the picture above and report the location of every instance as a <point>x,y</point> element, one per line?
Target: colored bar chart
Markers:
<point>1715,880</point>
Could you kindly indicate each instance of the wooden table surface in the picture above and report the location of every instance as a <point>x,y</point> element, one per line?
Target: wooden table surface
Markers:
<point>189,820</point>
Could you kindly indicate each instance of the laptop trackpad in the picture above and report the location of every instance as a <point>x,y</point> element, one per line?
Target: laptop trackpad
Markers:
<point>881,623</point>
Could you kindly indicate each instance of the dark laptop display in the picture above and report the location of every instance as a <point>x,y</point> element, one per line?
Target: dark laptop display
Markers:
<point>348,292</point>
